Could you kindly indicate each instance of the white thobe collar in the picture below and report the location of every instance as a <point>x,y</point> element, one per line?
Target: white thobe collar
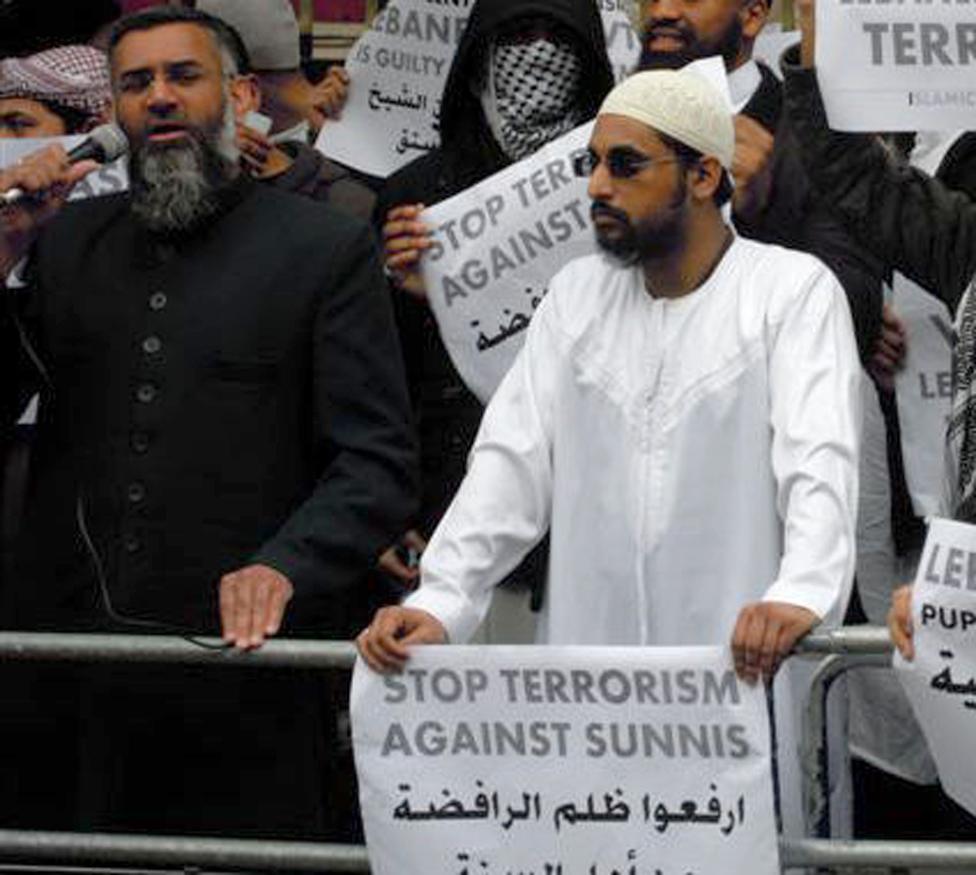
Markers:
<point>744,81</point>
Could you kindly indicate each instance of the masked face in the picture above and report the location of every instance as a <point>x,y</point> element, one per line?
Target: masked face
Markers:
<point>532,91</point>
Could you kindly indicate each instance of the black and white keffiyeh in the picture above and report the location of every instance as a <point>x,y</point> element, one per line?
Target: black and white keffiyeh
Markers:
<point>961,432</point>
<point>531,95</point>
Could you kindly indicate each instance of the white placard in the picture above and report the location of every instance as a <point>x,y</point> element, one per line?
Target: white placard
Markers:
<point>923,390</point>
<point>941,680</point>
<point>108,179</point>
<point>564,760</point>
<point>398,70</point>
<point>886,66</point>
<point>498,244</point>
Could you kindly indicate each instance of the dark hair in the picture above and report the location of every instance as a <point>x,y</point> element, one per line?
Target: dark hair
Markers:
<point>76,121</point>
<point>227,38</point>
<point>688,157</point>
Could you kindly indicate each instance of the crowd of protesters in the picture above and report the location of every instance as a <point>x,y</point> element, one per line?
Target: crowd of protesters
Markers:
<point>243,420</point>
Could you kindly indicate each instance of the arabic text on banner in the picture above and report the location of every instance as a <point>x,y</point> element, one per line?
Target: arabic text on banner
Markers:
<point>108,179</point>
<point>886,66</point>
<point>398,70</point>
<point>564,761</point>
<point>941,680</point>
<point>496,246</point>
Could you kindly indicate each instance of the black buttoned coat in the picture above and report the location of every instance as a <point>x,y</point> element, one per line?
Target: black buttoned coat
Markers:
<point>227,398</point>
<point>230,398</point>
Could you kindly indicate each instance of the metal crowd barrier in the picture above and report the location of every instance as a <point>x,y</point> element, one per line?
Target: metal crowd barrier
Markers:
<point>841,650</point>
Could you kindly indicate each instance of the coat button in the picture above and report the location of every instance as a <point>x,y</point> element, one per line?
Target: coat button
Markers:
<point>158,301</point>
<point>152,345</point>
<point>139,441</point>
<point>132,544</point>
<point>135,492</point>
<point>146,393</point>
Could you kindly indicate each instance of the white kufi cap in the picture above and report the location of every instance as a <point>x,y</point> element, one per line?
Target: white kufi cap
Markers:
<point>680,104</point>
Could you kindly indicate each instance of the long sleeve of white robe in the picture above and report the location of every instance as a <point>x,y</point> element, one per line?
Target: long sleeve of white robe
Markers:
<point>691,457</point>
<point>502,509</point>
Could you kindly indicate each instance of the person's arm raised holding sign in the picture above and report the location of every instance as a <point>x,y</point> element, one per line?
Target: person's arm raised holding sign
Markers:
<point>906,218</point>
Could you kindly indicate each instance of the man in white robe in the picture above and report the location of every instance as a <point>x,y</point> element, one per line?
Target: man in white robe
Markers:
<point>683,419</point>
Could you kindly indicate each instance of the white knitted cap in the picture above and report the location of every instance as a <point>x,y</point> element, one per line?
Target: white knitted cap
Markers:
<point>680,104</point>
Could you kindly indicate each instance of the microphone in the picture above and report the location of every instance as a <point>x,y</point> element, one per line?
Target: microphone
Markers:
<point>104,144</point>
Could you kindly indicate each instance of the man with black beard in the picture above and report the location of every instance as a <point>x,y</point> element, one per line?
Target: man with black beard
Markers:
<point>223,447</point>
<point>774,201</point>
<point>683,419</point>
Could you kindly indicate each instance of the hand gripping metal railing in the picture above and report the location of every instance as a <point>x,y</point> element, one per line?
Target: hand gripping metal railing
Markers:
<point>840,650</point>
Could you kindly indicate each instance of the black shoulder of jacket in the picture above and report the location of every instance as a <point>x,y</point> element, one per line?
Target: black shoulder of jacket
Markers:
<point>958,167</point>
<point>766,105</point>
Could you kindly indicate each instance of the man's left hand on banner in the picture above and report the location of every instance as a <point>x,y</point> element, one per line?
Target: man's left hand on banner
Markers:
<point>385,642</point>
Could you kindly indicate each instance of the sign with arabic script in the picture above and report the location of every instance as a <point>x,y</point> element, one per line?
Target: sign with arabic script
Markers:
<point>941,680</point>
<point>398,70</point>
<point>496,246</point>
<point>886,66</point>
<point>564,761</point>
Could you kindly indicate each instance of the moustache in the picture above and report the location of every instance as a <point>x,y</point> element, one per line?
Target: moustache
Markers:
<point>668,32</point>
<point>601,209</point>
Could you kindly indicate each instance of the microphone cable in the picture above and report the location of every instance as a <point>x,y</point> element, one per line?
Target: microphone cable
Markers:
<point>98,565</point>
<point>109,608</point>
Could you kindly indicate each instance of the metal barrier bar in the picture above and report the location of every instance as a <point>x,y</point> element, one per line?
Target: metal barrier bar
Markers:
<point>901,854</point>
<point>280,653</point>
<point>305,654</point>
<point>847,640</point>
<point>845,648</point>
<point>113,849</point>
<point>814,754</point>
<point>226,854</point>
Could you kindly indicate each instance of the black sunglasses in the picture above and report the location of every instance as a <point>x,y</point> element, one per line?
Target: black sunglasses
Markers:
<point>621,163</point>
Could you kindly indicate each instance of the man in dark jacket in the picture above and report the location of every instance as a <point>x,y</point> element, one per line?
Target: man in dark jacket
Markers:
<point>559,46</point>
<point>774,201</point>
<point>223,443</point>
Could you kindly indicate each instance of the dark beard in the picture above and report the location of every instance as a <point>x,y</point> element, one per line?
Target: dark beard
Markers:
<point>649,238</point>
<point>727,47</point>
<point>176,187</point>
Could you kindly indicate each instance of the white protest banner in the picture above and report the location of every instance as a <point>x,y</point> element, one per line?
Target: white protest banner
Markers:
<point>108,179</point>
<point>886,66</point>
<point>398,70</point>
<point>923,391</point>
<point>941,680</point>
<point>564,761</point>
<point>497,245</point>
